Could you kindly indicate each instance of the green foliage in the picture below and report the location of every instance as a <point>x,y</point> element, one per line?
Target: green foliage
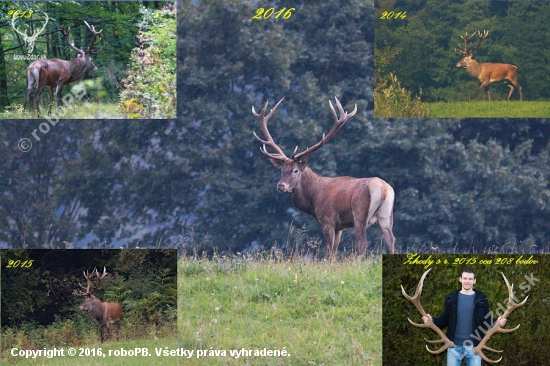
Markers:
<point>150,86</point>
<point>321,313</point>
<point>393,101</point>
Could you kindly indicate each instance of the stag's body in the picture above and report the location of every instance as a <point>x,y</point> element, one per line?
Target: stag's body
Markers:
<point>337,203</point>
<point>488,72</point>
<point>55,73</point>
<point>105,313</point>
<point>345,202</point>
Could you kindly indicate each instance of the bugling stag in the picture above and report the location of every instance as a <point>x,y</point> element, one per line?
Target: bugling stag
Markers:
<point>337,203</point>
<point>55,73</point>
<point>487,72</point>
<point>105,313</point>
<point>511,306</point>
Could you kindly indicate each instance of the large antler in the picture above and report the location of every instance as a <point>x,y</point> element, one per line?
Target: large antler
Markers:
<point>464,50</point>
<point>90,48</point>
<point>416,301</point>
<point>338,123</point>
<point>280,155</point>
<point>88,276</point>
<point>262,118</point>
<point>512,305</point>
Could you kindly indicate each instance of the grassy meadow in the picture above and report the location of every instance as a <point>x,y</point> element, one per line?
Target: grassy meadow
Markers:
<point>311,312</point>
<point>79,110</point>
<point>488,109</point>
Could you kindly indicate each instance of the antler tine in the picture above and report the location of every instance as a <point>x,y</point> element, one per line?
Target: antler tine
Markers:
<point>481,37</point>
<point>94,35</point>
<point>511,306</point>
<point>338,123</point>
<point>416,302</point>
<point>262,118</point>
<point>88,276</point>
<point>464,49</point>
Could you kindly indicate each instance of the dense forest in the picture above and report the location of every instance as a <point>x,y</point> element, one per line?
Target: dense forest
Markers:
<point>423,45</point>
<point>200,181</point>
<point>135,47</point>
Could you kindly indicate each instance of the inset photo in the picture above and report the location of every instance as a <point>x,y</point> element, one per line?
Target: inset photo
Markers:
<point>465,309</point>
<point>462,59</point>
<point>88,307</point>
<point>87,60</point>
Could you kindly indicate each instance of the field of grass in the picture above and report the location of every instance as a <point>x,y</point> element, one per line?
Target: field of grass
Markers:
<point>313,313</point>
<point>488,109</point>
<point>74,111</point>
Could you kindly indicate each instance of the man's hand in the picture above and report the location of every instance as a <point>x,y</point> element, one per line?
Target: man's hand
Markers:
<point>427,318</point>
<point>502,321</point>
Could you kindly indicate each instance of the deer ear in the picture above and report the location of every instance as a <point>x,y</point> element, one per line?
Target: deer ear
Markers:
<point>278,163</point>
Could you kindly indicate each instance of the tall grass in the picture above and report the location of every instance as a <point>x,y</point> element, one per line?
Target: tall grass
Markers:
<point>391,100</point>
<point>316,311</point>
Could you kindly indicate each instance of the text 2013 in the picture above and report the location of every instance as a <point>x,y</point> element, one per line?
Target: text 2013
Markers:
<point>18,13</point>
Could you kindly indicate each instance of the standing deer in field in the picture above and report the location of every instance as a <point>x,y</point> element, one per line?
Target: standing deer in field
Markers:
<point>105,313</point>
<point>56,73</point>
<point>487,72</point>
<point>337,203</point>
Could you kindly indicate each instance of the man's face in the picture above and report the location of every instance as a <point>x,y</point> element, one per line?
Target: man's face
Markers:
<point>467,280</point>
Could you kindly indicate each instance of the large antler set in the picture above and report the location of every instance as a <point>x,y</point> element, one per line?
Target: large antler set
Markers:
<point>88,276</point>
<point>464,50</point>
<point>280,155</point>
<point>416,301</point>
<point>512,305</point>
<point>91,48</point>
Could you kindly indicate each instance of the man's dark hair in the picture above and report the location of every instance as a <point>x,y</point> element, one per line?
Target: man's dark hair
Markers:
<point>468,270</point>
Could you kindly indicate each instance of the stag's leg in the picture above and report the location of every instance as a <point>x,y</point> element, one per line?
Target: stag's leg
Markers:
<point>384,216</point>
<point>30,84</point>
<point>51,100</point>
<point>329,235</point>
<point>101,332</point>
<point>361,237</point>
<point>511,91</point>
<point>117,324</point>
<point>39,91</point>
<point>483,85</point>
<point>58,97</point>
<point>386,225</point>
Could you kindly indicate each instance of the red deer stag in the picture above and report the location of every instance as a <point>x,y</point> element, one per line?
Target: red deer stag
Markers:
<point>105,313</point>
<point>56,73</point>
<point>337,203</point>
<point>487,72</point>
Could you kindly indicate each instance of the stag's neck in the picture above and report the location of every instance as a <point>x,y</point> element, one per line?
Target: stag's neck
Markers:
<point>306,194</point>
<point>77,69</point>
<point>97,311</point>
<point>474,68</point>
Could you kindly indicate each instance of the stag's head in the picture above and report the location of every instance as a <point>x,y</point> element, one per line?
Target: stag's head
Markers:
<point>293,168</point>
<point>85,56</point>
<point>89,299</point>
<point>468,54</point>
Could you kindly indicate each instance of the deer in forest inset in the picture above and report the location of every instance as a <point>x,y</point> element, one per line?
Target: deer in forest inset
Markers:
<point>487,72</point>
<point>337,203</point>
<point>105,313</point>
<point>55,73</point>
